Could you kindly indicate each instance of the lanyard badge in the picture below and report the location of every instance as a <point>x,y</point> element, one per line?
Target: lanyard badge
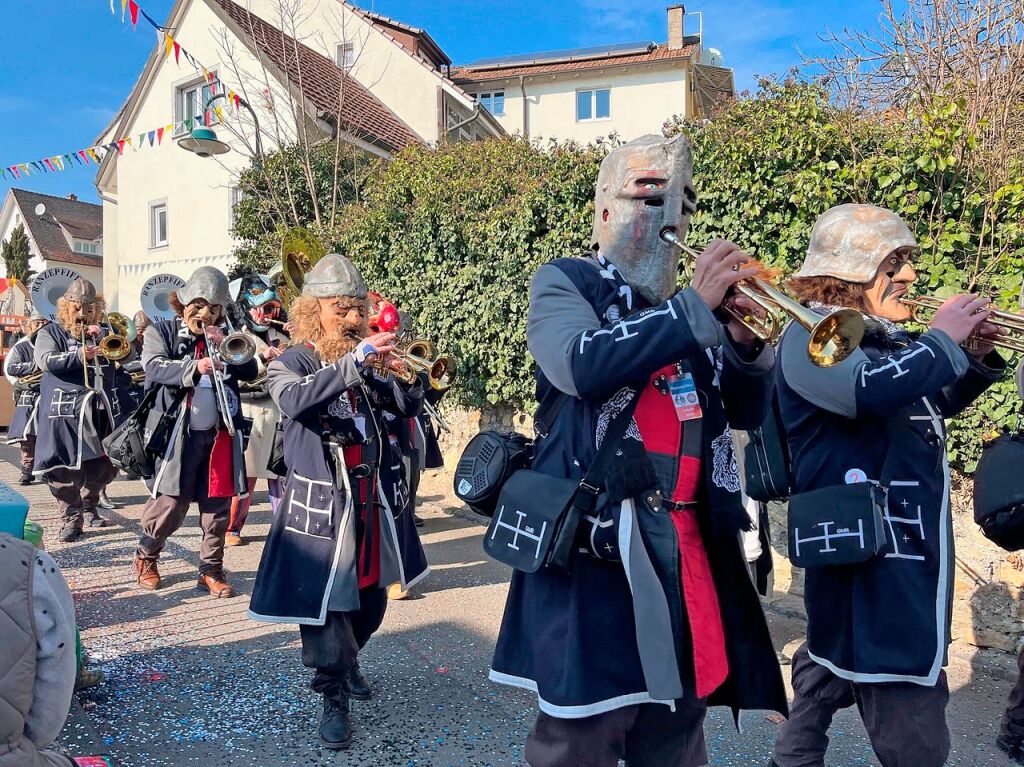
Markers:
<point>683,390</point>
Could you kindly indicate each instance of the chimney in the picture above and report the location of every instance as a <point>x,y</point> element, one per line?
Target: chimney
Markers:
<point>73,197</point>
<point>676,14</point>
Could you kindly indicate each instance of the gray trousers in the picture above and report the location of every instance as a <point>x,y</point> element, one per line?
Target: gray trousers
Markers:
<point>647,735</point>
<point>163,515</point>
<point>28,452</point>
<point>906,722</point>
<point>1012,726</point>
<point>78,490</point>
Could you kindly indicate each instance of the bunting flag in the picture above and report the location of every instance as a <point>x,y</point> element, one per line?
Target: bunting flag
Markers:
<point>177,53</point>
<point>124,4</point>
<point>133,11</point>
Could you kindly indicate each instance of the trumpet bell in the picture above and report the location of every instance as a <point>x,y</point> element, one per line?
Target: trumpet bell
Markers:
<point>237,349</point>
<point>835,337</point>
<point>122,325</point>
<point>442,373</point>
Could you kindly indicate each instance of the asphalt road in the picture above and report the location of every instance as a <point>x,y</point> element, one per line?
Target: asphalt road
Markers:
<point>191,680</point>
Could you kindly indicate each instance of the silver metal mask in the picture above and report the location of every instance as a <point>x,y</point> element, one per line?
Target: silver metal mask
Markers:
<point>334,275</point>
<point>644,188</point>
<point>849,242</point>
<point>208,283</point>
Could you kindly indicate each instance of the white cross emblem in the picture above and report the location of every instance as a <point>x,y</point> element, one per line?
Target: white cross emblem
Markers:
<point>305,517</point>
<point>828,536</point>
<point>61,406</point>
<point>519,530</point>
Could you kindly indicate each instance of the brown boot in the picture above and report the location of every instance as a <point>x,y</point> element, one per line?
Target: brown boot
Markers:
<point>216,584</point>
<point>146,574</point>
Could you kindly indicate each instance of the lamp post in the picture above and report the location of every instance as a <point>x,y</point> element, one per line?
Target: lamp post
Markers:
<point>203,141</point>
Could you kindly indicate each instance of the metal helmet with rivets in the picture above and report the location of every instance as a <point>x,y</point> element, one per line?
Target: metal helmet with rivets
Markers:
<point>208,283</point>
<point>849,242</point>
<point>81,291</point>
<point>334,275</point>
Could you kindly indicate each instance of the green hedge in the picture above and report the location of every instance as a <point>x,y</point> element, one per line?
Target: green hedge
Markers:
<point>454,234</point>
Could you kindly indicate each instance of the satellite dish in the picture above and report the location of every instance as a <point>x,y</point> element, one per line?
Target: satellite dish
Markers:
<point>40,210</point>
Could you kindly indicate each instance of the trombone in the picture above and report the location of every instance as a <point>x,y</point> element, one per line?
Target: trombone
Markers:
<point>117,344</point>
<point>1014,323</point>
<point>833,337</point>
<point>214,353</point>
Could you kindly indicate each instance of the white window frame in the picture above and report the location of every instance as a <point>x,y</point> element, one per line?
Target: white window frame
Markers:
<point>486,100</point>
<point>236,197</point>
<point>154,207</point>
<point>205,88</point>
<point>345,56</point>
<point>86,247</point>
<point>593,91</point>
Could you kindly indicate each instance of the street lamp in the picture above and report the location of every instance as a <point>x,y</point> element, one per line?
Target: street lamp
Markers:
<point>203,141</point>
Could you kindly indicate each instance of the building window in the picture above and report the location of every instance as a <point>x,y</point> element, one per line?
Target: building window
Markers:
<point>493,102</point>
<point>346,56</point>
<point>593,104</point>
<point>87,247</point>
<point>158,224</point>
<point>191,100</point>
<point>236,197</point>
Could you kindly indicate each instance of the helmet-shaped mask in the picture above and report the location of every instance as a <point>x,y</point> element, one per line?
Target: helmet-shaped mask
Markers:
<point>645,188</point>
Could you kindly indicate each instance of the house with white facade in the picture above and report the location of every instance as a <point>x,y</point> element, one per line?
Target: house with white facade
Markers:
<point>583,94</point>
<point>330,71</point>
<point>62,232</point>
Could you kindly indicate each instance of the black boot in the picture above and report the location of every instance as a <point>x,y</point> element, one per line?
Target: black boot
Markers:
<point>93,518</point>
<point>335,730</point>
<point>1012,747</point>
<point>358,685</point>
<point>70,532</point>
<point>26,478</point>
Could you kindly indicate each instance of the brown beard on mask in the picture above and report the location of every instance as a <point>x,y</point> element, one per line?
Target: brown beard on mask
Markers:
<point>332,348</point>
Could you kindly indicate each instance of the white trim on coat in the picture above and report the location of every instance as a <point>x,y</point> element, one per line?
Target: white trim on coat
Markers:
<point>576,712</point>
<point>81,435</point>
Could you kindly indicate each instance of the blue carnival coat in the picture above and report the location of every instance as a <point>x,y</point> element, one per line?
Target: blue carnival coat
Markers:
<point>887,619</point>
<point>71,414</point>
<point>609,635</point>
<point>18,364</point>
<point>169,359</point>
<point>310,560</point>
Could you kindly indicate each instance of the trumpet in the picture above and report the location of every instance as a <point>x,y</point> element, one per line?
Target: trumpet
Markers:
<point>833,337</point>
<point>1014,323</point>
<point>237,348</point>
<point>418,356</point>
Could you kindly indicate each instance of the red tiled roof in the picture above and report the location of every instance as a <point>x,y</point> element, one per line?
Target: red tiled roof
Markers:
<point>321,81</point>
<point>468,74</point>
<point>81,219</point>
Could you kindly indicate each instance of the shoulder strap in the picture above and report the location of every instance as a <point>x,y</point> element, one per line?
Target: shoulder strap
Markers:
<point>548,410</point>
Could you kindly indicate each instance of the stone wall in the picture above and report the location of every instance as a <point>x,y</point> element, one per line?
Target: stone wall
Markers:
<point>987,607</point>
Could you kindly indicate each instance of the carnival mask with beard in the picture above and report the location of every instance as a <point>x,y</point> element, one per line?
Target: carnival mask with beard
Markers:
<point>199,314</point>
<point>343,320</point>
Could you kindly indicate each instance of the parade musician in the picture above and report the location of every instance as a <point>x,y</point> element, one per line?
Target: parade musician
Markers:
<point>20,369</point>
<point>659,618</point>
<point>333,547</point>
<point>199,461</point>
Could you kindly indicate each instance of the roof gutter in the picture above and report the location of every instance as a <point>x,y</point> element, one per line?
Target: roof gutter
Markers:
<point>477,110</point>
<point>526,107</point>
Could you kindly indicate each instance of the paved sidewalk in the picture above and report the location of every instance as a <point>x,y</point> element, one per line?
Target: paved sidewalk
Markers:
<point>191,680</point>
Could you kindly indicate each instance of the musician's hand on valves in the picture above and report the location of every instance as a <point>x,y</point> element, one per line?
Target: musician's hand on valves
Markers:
<point>743,306</point>
<point>205,366</point>
<point>983,340</point>
<point>960,316</point>
<point>718,268</point>
<point>270,353</point>
<point>369,348</point>
<point>93,330</point>
<point>215,334</point>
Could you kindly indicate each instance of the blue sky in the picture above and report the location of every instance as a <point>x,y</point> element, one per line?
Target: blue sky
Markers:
<point>66,66</point>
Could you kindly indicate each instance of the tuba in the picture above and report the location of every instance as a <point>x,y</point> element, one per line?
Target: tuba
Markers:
<point>300,250</point>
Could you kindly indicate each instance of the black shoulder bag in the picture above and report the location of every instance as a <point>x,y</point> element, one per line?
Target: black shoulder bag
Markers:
<point>840,524</point>
<point>125,445</point>
<point>492,457</point>
<point>537,515</point>
<point>999,491</point>
<point>765,458</point>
